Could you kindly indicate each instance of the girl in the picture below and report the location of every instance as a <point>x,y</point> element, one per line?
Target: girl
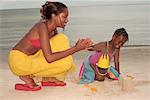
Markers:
<point>42,52</point>
<point>91,70</point>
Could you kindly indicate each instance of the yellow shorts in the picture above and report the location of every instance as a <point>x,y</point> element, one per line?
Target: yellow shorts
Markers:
<point>36,65</point>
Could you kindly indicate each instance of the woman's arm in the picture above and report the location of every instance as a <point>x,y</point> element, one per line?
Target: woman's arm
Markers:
<point>51,57</point>
<point>116,60</point>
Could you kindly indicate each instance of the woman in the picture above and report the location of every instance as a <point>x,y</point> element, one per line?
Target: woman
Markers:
<point>44,53</point>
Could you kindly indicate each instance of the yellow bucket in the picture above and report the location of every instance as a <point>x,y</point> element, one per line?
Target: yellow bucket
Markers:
<point>103,62</point>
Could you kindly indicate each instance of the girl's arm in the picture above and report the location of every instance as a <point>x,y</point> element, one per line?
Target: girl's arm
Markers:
<point>45,46</point>
<point>116,60</point>
<point>97,47</point>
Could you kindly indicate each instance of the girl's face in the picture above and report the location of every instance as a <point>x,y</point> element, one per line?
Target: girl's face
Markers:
<point>119,41</point>
<point>62,18</point>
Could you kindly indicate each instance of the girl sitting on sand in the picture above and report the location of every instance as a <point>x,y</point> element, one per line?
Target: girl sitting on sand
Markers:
<point>97,66</point>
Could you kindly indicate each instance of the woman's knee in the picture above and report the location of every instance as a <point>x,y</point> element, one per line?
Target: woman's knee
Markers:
<point>59,42</point>
<point>66,67</point>
<point>61,37</point>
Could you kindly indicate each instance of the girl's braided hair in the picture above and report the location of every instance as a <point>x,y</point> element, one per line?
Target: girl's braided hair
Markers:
<point>121,31</point>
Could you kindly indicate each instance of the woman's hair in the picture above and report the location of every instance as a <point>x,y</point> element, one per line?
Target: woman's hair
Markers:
<point>121,31</point>
<point>50,8</point>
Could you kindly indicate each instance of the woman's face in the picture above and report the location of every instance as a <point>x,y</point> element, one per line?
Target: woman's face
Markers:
<point>63,18</point>
<point>119,41</point>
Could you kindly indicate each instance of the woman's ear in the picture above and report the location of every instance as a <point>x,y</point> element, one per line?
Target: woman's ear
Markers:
<point>53,16</point>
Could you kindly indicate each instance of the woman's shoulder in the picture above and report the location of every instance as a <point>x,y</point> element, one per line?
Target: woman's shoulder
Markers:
<point>36,27</point>
<point>40,23</point>
<point>40,26</point>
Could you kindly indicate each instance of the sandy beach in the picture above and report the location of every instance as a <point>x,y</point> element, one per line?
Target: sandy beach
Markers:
<point>134,62</point>
<point>97,20</point>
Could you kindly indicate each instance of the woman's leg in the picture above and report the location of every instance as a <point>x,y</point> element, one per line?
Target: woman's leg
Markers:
<point>28,80</point>
<point>29,85</point>
<point>59,68</point>
<point>52,79</point>
<point>36,65</point>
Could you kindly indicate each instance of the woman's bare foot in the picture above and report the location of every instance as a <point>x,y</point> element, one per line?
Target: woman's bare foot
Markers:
<point>52,79</point>
<point>28,80</point>
<point>29,85</point>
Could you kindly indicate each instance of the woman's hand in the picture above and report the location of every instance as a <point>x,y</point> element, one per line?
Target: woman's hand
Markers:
<point>83,44</point>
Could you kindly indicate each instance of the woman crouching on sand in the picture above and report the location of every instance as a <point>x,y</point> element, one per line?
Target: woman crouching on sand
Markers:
<point>42,52</point>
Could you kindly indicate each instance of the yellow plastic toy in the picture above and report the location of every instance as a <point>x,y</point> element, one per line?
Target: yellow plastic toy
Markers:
<point>93,89</point>
<point>103,62</point>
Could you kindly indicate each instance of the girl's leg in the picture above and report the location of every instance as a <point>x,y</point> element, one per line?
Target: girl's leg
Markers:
<point>99,77</point>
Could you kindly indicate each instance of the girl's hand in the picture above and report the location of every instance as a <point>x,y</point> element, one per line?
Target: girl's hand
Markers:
<point>83,44</point>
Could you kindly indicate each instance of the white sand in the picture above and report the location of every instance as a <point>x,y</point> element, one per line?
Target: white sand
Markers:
<point>134,62</point>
